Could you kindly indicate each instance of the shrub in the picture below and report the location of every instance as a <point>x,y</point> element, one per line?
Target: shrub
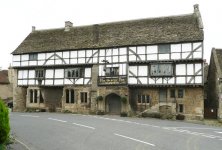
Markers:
<point>180,117</point>
<point>123,114</point>
<point>99,98</point>
<point>4,123</point>
<point>124,99</point>
<point>100,112</point>
<point>151,114</point>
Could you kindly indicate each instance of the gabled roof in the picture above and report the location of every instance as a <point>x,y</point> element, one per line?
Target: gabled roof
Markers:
<point>172,29</point>
<point>4,77</point>
<point>217,54</point>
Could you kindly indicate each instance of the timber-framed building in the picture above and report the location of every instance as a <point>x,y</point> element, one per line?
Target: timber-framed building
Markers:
<point>154,63</point>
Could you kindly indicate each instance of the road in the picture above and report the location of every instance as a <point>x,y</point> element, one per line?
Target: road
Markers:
<point>57,131</point>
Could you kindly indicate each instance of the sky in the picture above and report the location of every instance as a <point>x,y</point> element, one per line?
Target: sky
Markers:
<point>18,17</point>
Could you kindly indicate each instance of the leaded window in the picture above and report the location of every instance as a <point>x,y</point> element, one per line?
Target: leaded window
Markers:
<point>161,70</point>
<point>74,73</point>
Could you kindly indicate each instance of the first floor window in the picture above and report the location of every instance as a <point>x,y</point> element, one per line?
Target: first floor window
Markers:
<point>161,69</point>
<point>41,100</point>
<point>83,97</point>
<point>33,57</point>
<point>39,73</point>
<point>35,96</point>
<point>70,97</point>
<point>74,73</point>
<point>31,96</point>
<point>112,71</point>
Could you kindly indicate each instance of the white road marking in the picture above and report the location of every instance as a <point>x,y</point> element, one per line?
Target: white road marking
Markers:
<point>218,132</point>
<point>194,128</point>
<point>133,139</point>
<point>209,136</point>
<point>29,116</point>
<point>81,125</point>
<point>57,120</point>
<point>22,144</point>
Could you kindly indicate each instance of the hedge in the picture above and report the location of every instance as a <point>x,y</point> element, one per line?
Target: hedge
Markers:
<point>4,123</point>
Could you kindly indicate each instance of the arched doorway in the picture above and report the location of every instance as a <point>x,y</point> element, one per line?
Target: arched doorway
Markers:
<point>113,104</point>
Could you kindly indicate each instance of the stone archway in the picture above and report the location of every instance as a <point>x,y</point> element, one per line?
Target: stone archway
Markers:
<point>113,104</point>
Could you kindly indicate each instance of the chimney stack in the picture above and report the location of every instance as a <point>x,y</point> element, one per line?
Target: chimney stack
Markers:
<point>68,25</point>
<point>198,15</point>
<point>33,28</point>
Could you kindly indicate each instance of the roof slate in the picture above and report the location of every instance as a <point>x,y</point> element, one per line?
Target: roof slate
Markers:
<point>172,29</point>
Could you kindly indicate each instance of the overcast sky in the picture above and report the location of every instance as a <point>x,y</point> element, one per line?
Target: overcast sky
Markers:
<point>18,16</point>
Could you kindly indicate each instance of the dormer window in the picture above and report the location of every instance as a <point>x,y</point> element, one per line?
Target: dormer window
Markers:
<point>33,57</point>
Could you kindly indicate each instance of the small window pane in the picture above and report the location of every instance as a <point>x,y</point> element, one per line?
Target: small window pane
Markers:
<point>164,49</point>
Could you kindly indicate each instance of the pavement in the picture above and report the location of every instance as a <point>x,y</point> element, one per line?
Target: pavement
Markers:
<point>49,131</point>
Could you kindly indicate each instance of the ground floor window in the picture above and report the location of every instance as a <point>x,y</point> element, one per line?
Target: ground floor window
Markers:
<point>83,97</point>
<point>172,93</point>
<point>70,96</point>
<point>34,97</point>
<point>143,99</point>
<point>180,93</point>
<point>181,108</point>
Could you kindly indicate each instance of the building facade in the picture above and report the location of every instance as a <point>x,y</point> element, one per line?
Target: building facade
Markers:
<point>214,94</point>
<point>114,67</point>
<point>5,86</point>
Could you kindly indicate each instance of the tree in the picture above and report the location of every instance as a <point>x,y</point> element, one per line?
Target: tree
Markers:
<point>4,123</point>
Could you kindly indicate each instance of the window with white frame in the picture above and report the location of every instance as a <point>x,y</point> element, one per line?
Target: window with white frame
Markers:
<point>39,73</point>
<point>74,73</point>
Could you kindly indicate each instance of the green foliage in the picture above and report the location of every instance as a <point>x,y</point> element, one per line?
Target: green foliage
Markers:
<point>100,112</point>
<point>151,114</point>
<point>180,117</point>
<point>4,123</point>
<point>124,99</point>
<point>99,98</point>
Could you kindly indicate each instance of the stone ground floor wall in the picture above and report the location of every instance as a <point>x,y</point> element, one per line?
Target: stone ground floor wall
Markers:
<point>19,98</point>
<point>190,104</point>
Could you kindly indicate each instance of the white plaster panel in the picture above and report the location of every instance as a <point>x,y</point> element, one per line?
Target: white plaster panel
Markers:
<point>180,69</point>
<point>86,81</point>
<point>50,62</point>
<point>59,73</point>
<point>19,82</point>
<point>175,48</point>
<point>81,53</point>
<point>15,64</point>
<point>143,80</point>
<point>73,61</point>
<point>32,63</point>
<point>74,54</point>
<point>132,49</point>
<point>123,58</point>
<point>20,74</point>
<point>198,79</point>
<point>58,82</point>
<point>59,54</point>
<point>81,60</point>
<point>66,54</point>
<point>102,52</point>
<point>132,80</point>
<point>152,57</point>
<point>180,80</point>
<point>115,59</point>
<point>16,58</point>
<point>25,57</point>
<point>190,69</point>
<point>189,78</point>
<point>115,51</point>
<point>87,72</point>
<point>24,63</point>
<point>186,47</point>
<point>49,73</point>
<point>132,58</point>
<point>133,69</point>
<point>41,56</point>
<point>184,55</point>
<point>25,82</point>
<point>159,81</point>
<point>122,51</point>
<point>25,74</point>
<point>66,61</point>
<point>31,82</point>
<point>175,56</point>
<point>95,59</point>
<point>142,71</point>
<point>48,55</point>
<point>195,45</point>
<point>31,74</point>
<point>68,81</point>
<point>141,50</point>
<point>171,81</point>
<point>109,59</point>
<point>101,72</point>
<point>197,68</point>
<point>40,63</point>
<point>142,57</point>
<point>197,55</point>
<point>89,53</point>
<point>101,59</point>
<point>151,49</point>
<point>48,82</point>
<point>108,52</point>
<point>164,56</point>
<point>151,81</point>
<point>79,81</point>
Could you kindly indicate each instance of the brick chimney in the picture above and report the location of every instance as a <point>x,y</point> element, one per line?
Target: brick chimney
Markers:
<point>197,13</point>
<point>68,25</point>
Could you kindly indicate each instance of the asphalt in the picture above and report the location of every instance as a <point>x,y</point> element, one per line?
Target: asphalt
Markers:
<point>54,131</point>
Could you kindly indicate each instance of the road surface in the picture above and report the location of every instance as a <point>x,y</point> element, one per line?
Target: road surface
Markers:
<point>57,131</point>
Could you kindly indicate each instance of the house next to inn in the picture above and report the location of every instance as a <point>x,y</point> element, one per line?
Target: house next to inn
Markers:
<point>154,63</point>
